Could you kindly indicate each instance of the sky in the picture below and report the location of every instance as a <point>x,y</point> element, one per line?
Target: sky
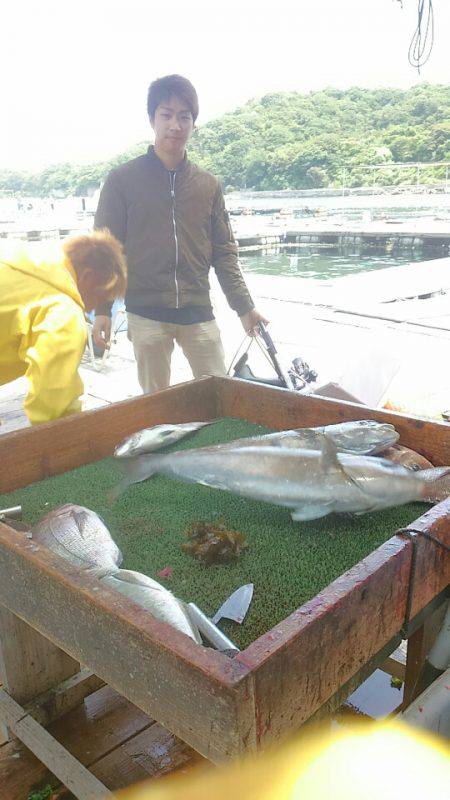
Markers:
<point>74,73</point>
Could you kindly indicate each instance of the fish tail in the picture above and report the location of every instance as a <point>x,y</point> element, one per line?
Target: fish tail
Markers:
<point>436,484</point>
<point>137,469</point>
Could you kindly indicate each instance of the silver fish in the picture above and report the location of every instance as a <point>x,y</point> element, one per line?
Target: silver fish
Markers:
<point>150,439</point>
<point>149,594</point>
<point>311,483</point>
<point>78,534</point>
<point>362,437</point>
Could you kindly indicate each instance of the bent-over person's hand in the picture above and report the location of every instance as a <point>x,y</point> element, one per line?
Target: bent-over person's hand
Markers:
<point>101,331</point>
<point>250,321</point>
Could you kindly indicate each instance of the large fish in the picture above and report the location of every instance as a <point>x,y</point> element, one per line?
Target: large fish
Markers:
<point>149,594</point>
<point>406,457</point>
<point>78,534</point>
<point>309,482</point>
<point>360,437</point>
<point>150,439</point>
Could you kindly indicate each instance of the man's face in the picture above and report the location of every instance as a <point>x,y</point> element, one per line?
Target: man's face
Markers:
<point>173,125</point>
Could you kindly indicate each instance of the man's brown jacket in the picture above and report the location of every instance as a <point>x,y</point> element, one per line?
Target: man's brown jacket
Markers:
<point>174,227</point>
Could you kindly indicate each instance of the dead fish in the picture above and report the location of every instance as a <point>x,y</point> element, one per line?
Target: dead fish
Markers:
<point>149,594</point>
<point>150,439</point>
<point>398,454</point>
<point>80,535</point>
<point>360,437</point>
<point>364,437</point>
<point>311,483</point>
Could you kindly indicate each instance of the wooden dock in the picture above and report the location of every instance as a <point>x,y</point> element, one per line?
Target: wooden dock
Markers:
<point>118,743</point>
<point>396,319</point>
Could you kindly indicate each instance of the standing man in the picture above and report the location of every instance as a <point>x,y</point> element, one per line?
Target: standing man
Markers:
<point>171,217</point>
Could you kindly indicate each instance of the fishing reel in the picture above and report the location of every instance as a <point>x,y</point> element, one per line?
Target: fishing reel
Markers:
<point>301,373</point>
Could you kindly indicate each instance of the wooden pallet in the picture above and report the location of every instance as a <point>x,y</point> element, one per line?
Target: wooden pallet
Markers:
<point>114,740</point>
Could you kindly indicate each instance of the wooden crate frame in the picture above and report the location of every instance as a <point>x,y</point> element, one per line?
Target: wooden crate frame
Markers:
<point>222,707</point>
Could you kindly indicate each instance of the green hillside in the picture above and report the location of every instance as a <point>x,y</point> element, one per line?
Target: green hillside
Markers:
<point>289,140</point>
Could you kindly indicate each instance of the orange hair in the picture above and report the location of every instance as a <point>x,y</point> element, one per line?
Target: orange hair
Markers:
<point>103,253</point>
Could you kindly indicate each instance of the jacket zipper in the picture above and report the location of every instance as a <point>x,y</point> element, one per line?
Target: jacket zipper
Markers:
<point>172,176</point>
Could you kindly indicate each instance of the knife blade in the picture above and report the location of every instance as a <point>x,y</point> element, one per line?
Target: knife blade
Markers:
<point>236,606</point>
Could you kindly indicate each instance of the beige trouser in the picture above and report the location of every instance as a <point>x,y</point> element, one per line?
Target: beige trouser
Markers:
<point>153,344</point>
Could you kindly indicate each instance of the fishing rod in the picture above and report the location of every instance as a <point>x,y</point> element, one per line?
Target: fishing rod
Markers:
<point>294,378</point>
<point>272,351</point>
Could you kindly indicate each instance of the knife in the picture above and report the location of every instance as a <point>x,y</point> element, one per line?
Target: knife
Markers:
<point>15,512</point>
<point>235,608</point>
<point>236,605</point>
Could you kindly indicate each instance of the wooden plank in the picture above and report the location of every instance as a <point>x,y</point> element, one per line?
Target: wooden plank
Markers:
<point>280,409</point>
<point>153,753</point>
<point>419,645</point>
<point>29,663</point>
<point>29,455</point>
<point>34,453</point>
<point>199,694</point>
<point>92,730</point>
<point>68,769</point>
<point>432,563</point>
<point>335,702</point>
<point>67,695</point>
<point>303,661</point>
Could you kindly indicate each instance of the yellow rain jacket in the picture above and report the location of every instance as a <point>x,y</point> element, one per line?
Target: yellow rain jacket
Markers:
<point>42,329</point>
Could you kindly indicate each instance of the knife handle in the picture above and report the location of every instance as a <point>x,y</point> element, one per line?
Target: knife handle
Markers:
<point>209,630</point>
<point>15,512</point>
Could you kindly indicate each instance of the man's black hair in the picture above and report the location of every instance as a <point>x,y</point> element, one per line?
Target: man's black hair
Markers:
<point>172,85</point>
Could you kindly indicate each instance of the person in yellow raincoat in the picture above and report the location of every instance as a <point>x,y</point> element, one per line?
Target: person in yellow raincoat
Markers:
<point>43,299</point>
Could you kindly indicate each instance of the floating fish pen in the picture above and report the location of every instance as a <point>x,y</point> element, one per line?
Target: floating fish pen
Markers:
<point>387,240</point>
<point>333,631</point>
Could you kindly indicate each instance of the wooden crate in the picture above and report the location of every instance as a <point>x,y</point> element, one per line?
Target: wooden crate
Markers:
<point>222,707</point>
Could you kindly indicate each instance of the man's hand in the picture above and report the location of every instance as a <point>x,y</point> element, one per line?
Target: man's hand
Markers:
<point>101,332</point>
<point>250,321</point>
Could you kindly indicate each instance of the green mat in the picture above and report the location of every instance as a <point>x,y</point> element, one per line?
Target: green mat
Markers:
<point>288,562</point>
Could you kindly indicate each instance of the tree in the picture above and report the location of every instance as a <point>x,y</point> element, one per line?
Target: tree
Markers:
<point>291,140</point>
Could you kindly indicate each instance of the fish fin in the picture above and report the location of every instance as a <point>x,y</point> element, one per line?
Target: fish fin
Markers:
<point>329,457</point>
<point>330,461</point>
<point>116,491</point>
<point>307,512</point>
<point>81,517</point>
<point>436,484</point>
<point>355,514</point>
<point>328,454</point>
<point>137,469</point>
